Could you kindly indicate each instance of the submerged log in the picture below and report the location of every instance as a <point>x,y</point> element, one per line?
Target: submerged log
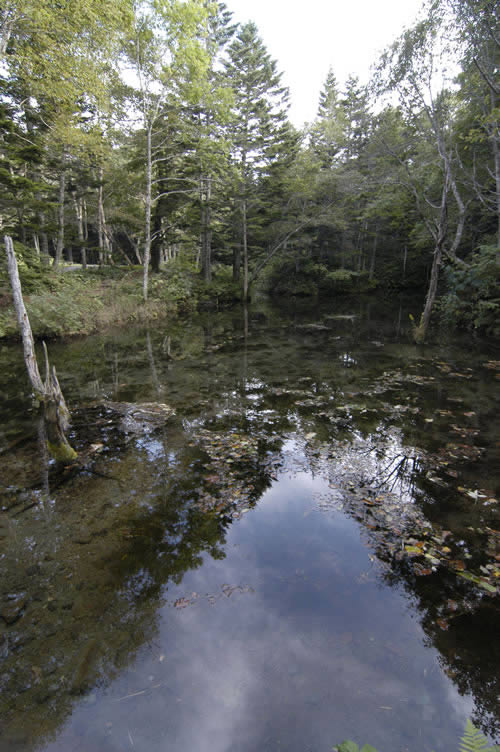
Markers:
<point>48,393</point>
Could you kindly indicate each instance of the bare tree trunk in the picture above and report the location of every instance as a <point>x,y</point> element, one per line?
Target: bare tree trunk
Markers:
<point>420,332</point>
<point>100,229</point>
<point>78,203</point>
<point>496,157</point>
<point>23,321</point>
<point>147,227</point>
<point>104,243</point>
<point>371,274</point>
<point>60,215</point>
<point>245,249</point>
<point>48,392</point>
<point>60,218</point>
<point>206,232</point>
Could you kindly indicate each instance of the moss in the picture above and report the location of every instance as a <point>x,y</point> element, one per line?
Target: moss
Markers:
<point>62,452</point>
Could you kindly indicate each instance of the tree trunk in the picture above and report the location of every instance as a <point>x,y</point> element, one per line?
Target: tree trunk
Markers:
<point>371,274</point>
<point>100,227</point>
<point>44,242</point>
<point>420,332</point>
<point>156,240</point>
<point>60,215</point>
<point>49,393</point>
<point>23,321</point>
<point>206,232</point>
<point>79,223</point>
<point>245,249</point>
<point>147,227</point>
<point>496,157</point>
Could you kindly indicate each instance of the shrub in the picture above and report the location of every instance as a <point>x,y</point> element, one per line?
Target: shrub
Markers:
<point>473,297</point>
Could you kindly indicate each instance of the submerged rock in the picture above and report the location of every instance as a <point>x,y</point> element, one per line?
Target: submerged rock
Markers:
<point>12,611</point>
<point>141,418</point>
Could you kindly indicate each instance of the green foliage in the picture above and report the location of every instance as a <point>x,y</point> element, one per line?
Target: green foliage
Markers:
<point>306,277</point>
<point>352,747</point>
<point>221,292</point>
<point>73,303</point>
<point>474,741</point>
<point>473,297</point>
<point>471,741</point>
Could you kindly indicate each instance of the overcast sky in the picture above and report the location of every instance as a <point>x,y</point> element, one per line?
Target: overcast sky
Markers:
<point>308,37</point>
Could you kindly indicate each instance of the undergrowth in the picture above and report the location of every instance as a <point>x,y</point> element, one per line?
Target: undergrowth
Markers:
<point>70,303</point>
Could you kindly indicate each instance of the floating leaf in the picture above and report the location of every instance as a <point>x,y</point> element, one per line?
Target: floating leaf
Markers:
<point>413,551</point>
<point>421,571</point>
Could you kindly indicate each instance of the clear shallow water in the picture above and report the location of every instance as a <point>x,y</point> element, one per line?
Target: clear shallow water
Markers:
<point>235,581</point>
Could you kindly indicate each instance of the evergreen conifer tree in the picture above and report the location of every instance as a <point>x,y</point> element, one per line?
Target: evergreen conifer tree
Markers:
<point>259,121</point>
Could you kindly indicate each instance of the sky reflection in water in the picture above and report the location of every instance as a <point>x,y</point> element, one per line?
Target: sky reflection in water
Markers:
<point>315,651</point>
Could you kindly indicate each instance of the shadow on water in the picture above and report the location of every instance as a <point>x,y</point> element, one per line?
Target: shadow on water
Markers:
<point>303,548</point>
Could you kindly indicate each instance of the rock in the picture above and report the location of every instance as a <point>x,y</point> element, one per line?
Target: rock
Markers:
<point>12,611</point>
<point>142,418</point>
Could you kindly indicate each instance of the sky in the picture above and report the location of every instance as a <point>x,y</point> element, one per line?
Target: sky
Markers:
<point>308,37</point>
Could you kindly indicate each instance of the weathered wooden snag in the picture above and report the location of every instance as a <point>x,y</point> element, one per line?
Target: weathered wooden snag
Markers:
<point>48,392</point>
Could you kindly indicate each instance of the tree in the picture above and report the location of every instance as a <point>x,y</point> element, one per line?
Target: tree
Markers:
<point>57,63</point>
<point>258,122</point>
<point>164,50</point>
<point>411,67</point>
<point>474,27</point>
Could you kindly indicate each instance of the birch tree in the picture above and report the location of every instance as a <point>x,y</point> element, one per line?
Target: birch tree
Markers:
<point>164,50</point>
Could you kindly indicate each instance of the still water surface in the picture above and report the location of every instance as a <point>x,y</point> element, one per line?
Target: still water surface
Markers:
<point>280,565</point>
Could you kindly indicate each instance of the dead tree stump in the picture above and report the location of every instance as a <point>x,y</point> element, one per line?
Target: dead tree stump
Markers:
<point>47,392</point>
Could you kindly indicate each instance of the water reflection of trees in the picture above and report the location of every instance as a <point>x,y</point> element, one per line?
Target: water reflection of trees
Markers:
<point>106,550</point>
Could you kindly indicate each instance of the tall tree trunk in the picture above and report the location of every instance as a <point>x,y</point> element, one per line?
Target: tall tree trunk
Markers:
<point>100,227</point>
<point>420,332</point>
<point>371,274</point>
<point>23,320</point>
<point>206,231</point>
<point>44,240</point>
<point>156,240</point>
<point>60,214</point>
<point>78,204</point>
<point>496,157</point>
<point>147,227</point>
<point>245,248</point>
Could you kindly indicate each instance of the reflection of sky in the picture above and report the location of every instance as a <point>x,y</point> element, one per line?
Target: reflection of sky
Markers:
<point>320,650</point>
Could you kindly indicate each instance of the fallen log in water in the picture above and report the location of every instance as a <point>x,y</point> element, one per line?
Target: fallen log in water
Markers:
<point>48,392</point>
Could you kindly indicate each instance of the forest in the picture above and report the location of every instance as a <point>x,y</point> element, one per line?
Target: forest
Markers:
<point>156,135</point>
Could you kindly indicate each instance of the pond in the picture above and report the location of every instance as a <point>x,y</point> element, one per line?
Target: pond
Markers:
<point>282,533</point>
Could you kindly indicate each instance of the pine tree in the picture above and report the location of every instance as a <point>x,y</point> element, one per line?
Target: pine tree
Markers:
<point>327,132</point>
<point>258,122</point>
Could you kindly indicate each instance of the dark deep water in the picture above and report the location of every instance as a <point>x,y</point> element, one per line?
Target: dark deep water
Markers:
<point>306,552</point>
